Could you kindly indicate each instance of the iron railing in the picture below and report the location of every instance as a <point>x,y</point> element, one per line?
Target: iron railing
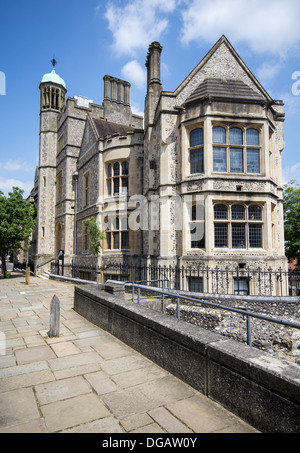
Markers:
<point>171,294</point>
<point>204,279</point>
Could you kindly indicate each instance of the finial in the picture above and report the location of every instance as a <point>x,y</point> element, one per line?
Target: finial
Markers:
<point>53,61</point>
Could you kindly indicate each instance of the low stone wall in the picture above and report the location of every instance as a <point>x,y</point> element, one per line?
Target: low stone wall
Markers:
<point>262,390</point>
<point>280,341</point>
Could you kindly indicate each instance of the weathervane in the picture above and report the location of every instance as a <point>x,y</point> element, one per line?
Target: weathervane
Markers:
<point>53,61</point>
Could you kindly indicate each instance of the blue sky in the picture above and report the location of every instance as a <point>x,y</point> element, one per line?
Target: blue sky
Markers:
<point>92,38</point>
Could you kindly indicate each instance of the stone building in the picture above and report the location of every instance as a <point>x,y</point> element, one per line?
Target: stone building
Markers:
<point>196,182</point>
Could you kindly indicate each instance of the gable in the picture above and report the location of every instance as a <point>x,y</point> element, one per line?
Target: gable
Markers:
<point>221,62</point>
<point>89,137</point>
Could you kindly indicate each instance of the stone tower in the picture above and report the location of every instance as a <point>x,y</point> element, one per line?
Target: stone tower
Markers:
<point>52,101</point>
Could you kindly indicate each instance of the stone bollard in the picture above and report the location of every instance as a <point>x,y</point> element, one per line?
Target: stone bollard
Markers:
<point>27,277</point>
<point>54,317</point>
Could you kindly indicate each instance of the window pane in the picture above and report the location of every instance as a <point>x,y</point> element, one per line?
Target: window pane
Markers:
<point>220,161</point>
<point>124,224</point>
<point>255,236</point>
<point>254,213</point>
<point>253,165</point>
<point>252,137</point>
<point>116,186</point>
<point>236,160</point>
<point>108,239</point>
<point>238,212</point>
<point>116,237</point>
<point>196,137</point>
<point>109,186</point>
<point>125,240</point>
<point>236,136</point>
<point>124,186</point>
<point>219,135</point>
<point>241,286</point>
<point>116,169</point>
<point>125,168</point>
<point>238,236</point>
<point>116,223</point>
<point>220,212</point>
<point>197,212</point>
<point>221,235</point>
<point>109,171</point>
<point>196,284</point>
<point>197,236</point>
<point>196,160</point>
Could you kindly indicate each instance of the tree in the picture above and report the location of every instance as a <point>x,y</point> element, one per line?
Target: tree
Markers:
<point>17,221</point>
<point>291,205</point>
<point>95,234</point>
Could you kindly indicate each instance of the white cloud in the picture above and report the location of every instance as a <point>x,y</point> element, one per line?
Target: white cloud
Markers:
<point>138,23</point>
<point>290,173</point>
<point>269,70</point>
<point>6,185</point>
<point>16,165</point>
<point>135,74</point>
<point>291,103</point>
<point>269,26</point>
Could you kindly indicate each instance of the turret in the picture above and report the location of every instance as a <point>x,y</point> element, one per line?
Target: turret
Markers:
<point>53,90</point>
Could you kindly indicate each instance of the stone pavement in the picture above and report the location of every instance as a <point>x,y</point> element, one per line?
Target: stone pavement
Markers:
<point>87,381</point>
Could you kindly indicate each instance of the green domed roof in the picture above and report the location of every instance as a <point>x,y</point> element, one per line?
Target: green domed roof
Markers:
<point>54,78</point>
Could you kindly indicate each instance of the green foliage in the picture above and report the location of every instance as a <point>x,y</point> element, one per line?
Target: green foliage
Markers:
<point>291,203</point>
<point>95,234</point>
<point>17,221</point>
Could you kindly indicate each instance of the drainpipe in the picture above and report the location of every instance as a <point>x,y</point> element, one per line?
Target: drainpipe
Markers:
<point>75,177</point>
<point>142,231</point>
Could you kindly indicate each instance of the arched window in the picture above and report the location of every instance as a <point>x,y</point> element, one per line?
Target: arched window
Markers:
<point>221,212</point>
<point>237,212</point>
<point>197,226</point>
<point>196,154</point>
<point>219,135</point>
<point>236,136</point>
<point>252,137</point>
<point>116,169</point>
<point>196,137</point>
<point>243,230</point>
<point>254,213</point>
<point>117,178</point>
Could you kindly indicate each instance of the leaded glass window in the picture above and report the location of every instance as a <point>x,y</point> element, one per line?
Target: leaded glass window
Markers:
<point>196,137</point>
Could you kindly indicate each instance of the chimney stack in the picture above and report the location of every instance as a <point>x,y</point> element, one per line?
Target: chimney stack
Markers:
<point>153,81</point>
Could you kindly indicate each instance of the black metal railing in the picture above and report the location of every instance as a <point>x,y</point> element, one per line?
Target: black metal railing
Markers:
<point>203,279</point>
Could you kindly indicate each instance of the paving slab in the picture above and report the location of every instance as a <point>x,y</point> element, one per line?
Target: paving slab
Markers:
<point>26,380</point>
<point>66,348</point>
<point>101,383</point>
<point>73,411</point>
<point>168,421</point>
<point>33,426</point>
<point>18,406</point>
<point>34,354</point>
<point>60,390</point>
<point>105,425</point>
<point>85,380</point>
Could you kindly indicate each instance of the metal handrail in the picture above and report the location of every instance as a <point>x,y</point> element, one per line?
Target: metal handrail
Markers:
<point>246,313</point>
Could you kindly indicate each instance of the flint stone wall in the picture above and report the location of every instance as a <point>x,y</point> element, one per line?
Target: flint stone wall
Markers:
<point>262,390</point>
<point>278,340</point>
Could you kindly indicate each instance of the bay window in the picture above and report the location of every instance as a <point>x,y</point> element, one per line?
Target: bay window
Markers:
<point>236,150</point>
